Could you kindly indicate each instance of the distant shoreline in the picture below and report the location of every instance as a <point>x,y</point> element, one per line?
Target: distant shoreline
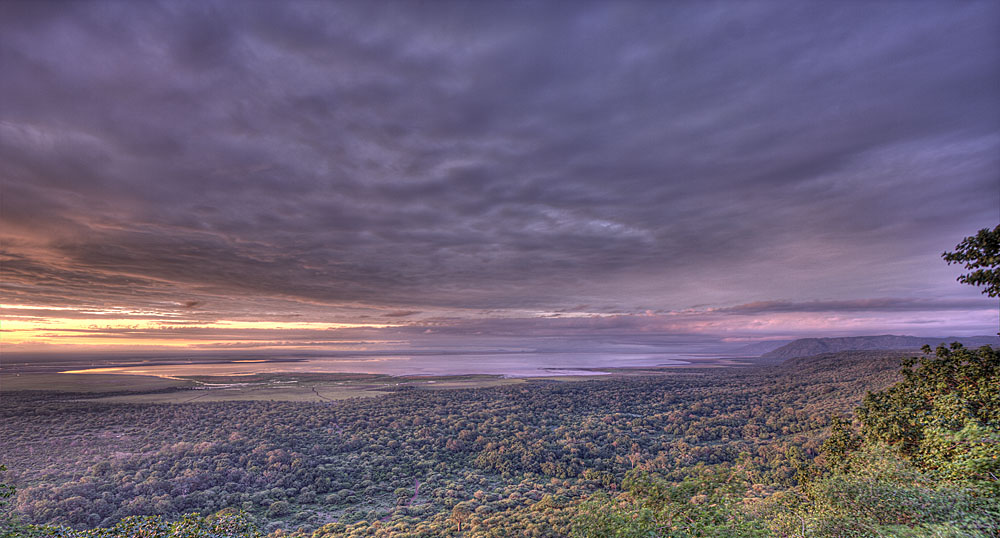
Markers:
<point>177,382</point>
<point>505,364</point>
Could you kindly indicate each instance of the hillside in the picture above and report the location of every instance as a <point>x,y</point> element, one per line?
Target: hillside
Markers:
<point>856,363</point>
<point>757,349</point>
<point>805,347</point>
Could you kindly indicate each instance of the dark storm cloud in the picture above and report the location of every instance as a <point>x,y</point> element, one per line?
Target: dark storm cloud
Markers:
<point>496,156</point>
<point>401,313</point>
<point>860,305</point>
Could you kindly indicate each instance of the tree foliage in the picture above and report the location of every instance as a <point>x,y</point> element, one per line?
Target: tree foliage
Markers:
<point>7,518</point>
<point>980,254</point>
<point>878,494</point>
<point>703,504</point>
<point>837,448</point>
<point>944,414</point>
<point>225,524</point>
<point>503,449</point>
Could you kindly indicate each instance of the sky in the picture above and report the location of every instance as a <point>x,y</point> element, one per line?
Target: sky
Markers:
<point>343,175</point>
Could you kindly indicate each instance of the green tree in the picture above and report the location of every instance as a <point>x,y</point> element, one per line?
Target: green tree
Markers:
<point>701,505</point>
<point>942,409</point>
<point>10,525</point>
<point>461,512</point>
<point>981,255</point>
<point>278,509</point>
<point>927,463</point>
<point>7,519</point>
<point>223,524</point>
<point>879,494</point>
<point>842,442</point>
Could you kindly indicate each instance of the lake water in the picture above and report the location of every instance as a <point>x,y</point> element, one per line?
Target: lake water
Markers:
<point>505,364</point>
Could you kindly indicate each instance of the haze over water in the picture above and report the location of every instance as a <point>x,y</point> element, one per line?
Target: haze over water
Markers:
<point>511,356</point>
<point>505,364</point>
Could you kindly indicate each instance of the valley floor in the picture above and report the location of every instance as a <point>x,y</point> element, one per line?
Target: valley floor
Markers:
<point>425,457</point>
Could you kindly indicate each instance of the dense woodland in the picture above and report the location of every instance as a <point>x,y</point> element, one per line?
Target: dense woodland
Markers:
<point>733,450</point>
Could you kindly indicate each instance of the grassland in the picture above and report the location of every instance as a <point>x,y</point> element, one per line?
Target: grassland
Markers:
<point>122,388</point>
<point>89,383</point>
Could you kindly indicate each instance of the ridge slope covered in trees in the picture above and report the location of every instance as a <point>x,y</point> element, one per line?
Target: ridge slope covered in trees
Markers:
<point>805,347</point>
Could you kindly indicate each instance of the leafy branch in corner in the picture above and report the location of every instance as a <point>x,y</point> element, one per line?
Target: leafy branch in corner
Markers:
<point>981,255</point>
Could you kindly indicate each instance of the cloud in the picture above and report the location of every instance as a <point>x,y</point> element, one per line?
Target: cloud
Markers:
<point>401,313</point>
<point>857,305</point>
<point>334,160</point>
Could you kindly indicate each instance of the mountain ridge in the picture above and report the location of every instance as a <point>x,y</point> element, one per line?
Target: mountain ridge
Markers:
<point>805,347</point>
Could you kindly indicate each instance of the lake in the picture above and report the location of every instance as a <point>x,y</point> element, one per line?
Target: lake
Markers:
<point>504,364</point>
